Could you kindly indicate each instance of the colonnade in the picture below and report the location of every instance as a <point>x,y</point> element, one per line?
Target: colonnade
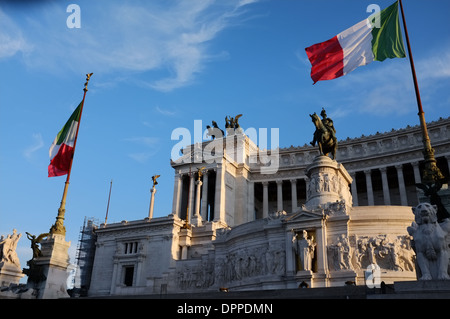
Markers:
<point>392,184</point>
<point>203,197</point>
<point>383,185</point>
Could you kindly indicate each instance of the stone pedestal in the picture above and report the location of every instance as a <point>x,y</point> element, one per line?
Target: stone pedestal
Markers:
<point>9,274</point>
<point>49,271</point>
<point>328,184</point>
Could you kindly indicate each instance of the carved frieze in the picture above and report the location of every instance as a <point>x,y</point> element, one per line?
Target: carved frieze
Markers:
<point>388,252</point>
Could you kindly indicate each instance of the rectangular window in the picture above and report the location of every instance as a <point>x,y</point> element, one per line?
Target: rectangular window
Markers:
<point>131,247</point>
<point>128,276</point>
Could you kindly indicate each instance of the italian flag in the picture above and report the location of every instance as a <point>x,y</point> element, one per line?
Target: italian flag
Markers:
<point>62,149</point>
<point>373,39</point>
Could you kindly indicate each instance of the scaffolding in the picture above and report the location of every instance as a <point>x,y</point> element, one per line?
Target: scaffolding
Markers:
<point>85,256</point>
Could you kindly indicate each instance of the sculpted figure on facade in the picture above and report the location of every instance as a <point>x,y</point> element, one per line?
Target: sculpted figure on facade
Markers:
<point>8,247</point>
<point>232,125</point>
<point>214,131</point>
<point>429,242</point>
<point>34,243</point>
<point>304,248</point>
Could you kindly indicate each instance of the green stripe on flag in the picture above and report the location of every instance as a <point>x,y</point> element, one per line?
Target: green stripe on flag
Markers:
<point>387,40</point>
<point>74,117</point>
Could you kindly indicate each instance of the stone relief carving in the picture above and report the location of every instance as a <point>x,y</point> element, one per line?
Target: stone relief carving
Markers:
<point>359,253</point>
<point>249,263</point>
<point>277,215</point>
<point>391,253</point>
<point>322,182</point>
<point>338,208</point>
<point>234,266</point>
<point>196,276</point>
<point>339,254</point>
<point>430,243</point>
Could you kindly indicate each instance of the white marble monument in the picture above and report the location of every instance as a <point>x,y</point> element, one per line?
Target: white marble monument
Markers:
<point>10,270</point>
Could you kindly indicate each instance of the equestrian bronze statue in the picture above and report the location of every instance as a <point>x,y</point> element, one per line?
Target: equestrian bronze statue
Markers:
<point>325,134</point>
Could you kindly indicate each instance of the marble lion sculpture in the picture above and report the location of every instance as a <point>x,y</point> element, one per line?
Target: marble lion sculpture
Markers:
<point>429,240</point>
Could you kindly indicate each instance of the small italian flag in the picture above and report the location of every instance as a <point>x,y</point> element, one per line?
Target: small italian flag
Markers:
<point>373,39</point>
<point>62,149</point>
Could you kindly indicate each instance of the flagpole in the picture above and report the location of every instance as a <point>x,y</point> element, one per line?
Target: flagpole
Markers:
<point>58,227</point>
<point>431,173</point>
<point>109,198</point>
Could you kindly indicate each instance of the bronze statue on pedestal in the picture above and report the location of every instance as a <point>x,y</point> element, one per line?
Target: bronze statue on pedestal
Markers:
<point>325,134</point>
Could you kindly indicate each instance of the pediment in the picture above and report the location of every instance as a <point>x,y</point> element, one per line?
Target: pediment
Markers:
<point>305,215</point>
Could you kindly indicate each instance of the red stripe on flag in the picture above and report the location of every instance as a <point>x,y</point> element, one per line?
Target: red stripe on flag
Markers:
<point>327,60</point>
<point>60,164</point>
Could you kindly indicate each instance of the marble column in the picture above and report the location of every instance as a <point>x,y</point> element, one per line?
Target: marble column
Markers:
<point>417,179</point>
<point>265,199</point>
<point>219,200</point>
<point>354,189</point>
<point>197,219</point>
<point>401,185</point>
<point>279,195</point>
<point>385,184</point>
<point>191,198</point>
<point>152,202</point>
<point>290,255</point>
<point>204,206</point>
<point>176,204</point>
<point>251,201</point>
<point>294,194</point>
<point>369,187</point>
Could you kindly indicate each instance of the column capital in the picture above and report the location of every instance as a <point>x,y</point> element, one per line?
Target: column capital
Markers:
<point>367,171</point>
<point>383,169</point>
<point>399,166</point>
<point>265,183</point>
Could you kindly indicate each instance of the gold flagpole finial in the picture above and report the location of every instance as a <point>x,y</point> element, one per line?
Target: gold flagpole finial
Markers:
<point>88,77</point>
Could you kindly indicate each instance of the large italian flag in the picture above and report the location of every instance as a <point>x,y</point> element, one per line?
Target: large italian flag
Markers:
<point>373,39</point>
<point>62,149</point>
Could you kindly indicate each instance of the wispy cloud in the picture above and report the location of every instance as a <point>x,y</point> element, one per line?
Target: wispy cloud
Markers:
<point>168,38</point>
<point>164,111</point>
<point>11,38</point>
<point>148,147</point>
<point>37,144</point>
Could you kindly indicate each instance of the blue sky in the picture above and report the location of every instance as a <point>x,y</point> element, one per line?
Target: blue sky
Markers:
<point>160,65</point>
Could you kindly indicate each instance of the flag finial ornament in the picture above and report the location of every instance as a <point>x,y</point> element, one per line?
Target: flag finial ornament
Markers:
<point>88,77</point>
